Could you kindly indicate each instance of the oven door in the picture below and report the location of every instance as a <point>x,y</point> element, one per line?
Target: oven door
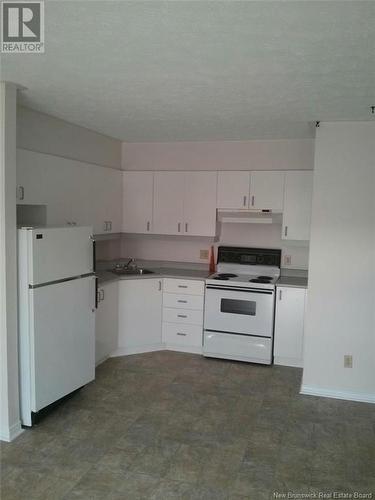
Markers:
<point>248,311</point>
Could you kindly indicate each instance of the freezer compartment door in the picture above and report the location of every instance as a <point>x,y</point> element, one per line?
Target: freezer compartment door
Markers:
<point>238,347</point>
<point>58,253</point>
<point>62,339</point>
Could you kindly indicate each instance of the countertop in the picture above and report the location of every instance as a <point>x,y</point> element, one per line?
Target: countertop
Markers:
<point>105,276</point>
<point>292,281</point>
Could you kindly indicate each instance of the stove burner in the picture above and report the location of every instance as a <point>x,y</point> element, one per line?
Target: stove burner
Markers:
<point>264,277</point>
<point>224,276</point>
<point>261,280</point>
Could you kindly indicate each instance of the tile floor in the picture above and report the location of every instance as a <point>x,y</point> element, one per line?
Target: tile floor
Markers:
<point>169,425</point>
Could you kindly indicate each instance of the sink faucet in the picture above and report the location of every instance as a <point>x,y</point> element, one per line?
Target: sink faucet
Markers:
<point>130,263</point>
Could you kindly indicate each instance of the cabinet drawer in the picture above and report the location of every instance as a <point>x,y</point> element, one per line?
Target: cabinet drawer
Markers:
<point>182,316</point>
<point>190,287</point>
<point>182,335</point>
<point>183,301</point>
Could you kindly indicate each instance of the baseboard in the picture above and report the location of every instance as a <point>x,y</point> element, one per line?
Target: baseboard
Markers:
<point>9,434</point>
<point>126,351</point>
<point>192,350</point>
<point>329,393</point>
<point>283,361</point>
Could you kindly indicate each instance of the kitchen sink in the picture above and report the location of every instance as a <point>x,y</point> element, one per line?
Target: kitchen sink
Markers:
<point>131,272</point>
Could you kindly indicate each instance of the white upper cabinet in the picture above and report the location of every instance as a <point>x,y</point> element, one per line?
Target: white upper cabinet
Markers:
<point>297,205</point>
<point>200,203</point>
<point>105,194</point>
<point>74,192</point>
<point>233,189</point>
<point>137,204</point>
<point>168,202</point>
<point>267,190</point>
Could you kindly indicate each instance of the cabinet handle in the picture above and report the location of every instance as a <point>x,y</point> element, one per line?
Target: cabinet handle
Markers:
<point>179,227</point>
<point>148,225</point>
<point>286,231</point>
<point>101,296</point>
<point>105,225</point>
<point>182,301</point>
<point>252,200</point>
<point>110,225</point>
<point>21,193</point>
<point>244,201</point>
<point>159,286</point>
<point>186,227</point>
<point>182,286</point>
<point>181,316</point>
<point>280,294</point>
<point>181,334</point>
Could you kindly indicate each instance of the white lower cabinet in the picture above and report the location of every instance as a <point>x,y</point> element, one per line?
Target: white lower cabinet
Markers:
<point>106,321</point>
<point>140,315</point>
<point>183,302</point>
<point>289,326</point>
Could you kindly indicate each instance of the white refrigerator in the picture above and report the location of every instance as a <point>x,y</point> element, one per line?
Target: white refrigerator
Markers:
<point>56,314</point>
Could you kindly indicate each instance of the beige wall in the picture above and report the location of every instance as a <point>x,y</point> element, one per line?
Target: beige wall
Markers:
<point>222,155</point>
<point>340,316</point>
<point>48,134</point>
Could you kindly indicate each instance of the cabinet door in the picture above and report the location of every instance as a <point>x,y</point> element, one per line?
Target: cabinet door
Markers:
<point>297,205</point>
<point>168,202</point>
<point>105,199</point>
<point>32,184</point>
<point>106,321</point>
<point>137,202</point>
<point>267,190</point>
<point>200,203</point>
<point>289,324</point>
<point>233,190</point>
<point>140,313</point>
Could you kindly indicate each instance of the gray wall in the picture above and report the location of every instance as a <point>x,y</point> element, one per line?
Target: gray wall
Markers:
<point>47,134</point>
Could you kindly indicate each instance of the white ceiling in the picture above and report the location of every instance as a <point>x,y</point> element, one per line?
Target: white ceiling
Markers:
<point>197,70</point>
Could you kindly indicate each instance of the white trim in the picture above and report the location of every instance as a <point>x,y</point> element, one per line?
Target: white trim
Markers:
<point>126,351</point>
<point>189,349</point>
<point>330,393</point>
<point>284,361</point>
<point>12,432</point>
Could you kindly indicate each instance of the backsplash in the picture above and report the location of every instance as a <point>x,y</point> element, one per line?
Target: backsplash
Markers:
<point>183,249</point>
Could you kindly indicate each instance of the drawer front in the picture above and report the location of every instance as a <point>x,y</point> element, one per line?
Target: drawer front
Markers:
<point>182,335</point>
<point>190,287</point>
<point>183,301</point>
<point>184,316</point>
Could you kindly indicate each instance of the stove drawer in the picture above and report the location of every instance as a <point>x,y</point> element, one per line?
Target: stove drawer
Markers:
<point>238,347</point>
<point>183,301</point>
<point>182,316</point>
<point>182,335</point>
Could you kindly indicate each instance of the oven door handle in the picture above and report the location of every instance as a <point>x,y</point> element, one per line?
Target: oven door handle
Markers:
<point>238,289</point>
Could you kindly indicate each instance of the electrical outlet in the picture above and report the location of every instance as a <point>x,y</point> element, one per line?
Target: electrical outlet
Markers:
<point>287,260</point>
<point>203,254</point>
<point>348,361</point>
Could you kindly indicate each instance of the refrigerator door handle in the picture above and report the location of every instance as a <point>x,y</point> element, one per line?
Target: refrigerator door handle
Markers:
<point>93,254</point>
<point>96,293</point>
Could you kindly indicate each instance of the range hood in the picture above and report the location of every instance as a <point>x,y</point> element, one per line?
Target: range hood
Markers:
<point>248,216</point>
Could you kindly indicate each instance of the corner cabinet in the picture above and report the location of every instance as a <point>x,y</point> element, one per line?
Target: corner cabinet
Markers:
<point>140,315</point>
<point>289,326</point>
<point>137,202</point>
<point>297,205</point>
<point>106,321</point>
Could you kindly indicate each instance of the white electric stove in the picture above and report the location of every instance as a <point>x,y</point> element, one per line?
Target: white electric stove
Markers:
<point>240,305</point>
